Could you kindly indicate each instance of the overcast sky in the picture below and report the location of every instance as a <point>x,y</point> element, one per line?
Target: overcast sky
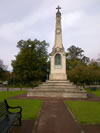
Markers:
<point>24,19</point>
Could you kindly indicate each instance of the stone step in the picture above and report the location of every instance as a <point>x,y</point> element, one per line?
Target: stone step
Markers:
<point>57,90</point>
<point>64,89</point>
<point>52,88</point>
<point>58,86</point>
<point>58,81</point>
<point>68,83</point>
<point>38,93</point>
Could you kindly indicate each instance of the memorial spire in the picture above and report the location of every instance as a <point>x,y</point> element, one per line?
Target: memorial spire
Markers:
<point>58,8</point>
<point>58,30</point>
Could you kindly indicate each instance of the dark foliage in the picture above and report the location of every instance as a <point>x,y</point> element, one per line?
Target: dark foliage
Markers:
<point>31,64</point>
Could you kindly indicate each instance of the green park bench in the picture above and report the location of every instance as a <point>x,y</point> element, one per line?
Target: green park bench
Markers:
<point>7,118</point>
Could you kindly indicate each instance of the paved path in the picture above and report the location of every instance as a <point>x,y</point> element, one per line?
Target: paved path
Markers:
<point>55,118</point>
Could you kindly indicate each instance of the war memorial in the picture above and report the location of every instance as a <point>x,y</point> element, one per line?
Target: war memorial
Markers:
<point>58,85</point>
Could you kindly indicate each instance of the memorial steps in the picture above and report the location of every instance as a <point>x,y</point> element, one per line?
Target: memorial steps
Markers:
<point>64,89</point>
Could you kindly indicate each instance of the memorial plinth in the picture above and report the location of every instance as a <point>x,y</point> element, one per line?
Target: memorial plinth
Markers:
<point>58,85</point>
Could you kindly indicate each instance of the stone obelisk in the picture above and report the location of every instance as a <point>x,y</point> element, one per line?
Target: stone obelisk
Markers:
<point>58,85</point>
<point>58,55</point>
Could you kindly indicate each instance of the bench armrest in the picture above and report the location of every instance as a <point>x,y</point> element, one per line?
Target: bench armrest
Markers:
<point>9,107</point>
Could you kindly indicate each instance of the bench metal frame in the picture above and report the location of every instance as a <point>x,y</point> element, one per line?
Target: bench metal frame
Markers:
<point>5,116</point>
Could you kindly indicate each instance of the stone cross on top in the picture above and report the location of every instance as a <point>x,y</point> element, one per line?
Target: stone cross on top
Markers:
<point>58,8</point>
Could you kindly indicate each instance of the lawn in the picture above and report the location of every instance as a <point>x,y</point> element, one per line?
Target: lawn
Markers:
<point>30,108</point>
<point>8,94</point>
<point>85,111</point>
<point>97,92</point>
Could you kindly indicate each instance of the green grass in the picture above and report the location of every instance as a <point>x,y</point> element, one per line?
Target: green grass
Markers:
<point>17,86</point>
<point>9,94</point>
<point>88,90</point>
<point>31,108</point>
<point>97,92</point>
<point>85,111</point>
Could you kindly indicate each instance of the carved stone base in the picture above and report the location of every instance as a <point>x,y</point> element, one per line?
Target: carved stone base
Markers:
<point>57,76</point>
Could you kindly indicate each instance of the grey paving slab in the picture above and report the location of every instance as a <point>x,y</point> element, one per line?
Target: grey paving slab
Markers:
<point>56,118</point>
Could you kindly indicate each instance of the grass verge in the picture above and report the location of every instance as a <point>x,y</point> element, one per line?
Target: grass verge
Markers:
<point>85,112</point>
<point>9,94</point>
<point>97,92</point>
<point>31,108</point>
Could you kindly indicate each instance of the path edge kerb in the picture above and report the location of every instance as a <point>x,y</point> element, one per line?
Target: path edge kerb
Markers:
<point>37,120</point>
<point>78,124</point>
<point>70,111</point>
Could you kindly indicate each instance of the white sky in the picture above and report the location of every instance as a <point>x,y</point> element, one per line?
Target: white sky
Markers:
<point>24,19</point>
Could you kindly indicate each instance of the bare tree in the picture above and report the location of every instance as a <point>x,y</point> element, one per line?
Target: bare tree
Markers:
<point>2,66</point>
